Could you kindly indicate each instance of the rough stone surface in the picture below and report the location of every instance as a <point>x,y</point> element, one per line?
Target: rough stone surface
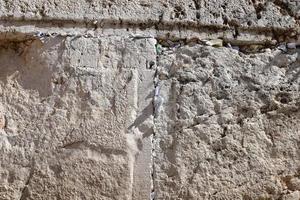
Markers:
<point>68,104</point>
<point>236,20</point>
<point>228,128</point>
<point>245,12</point>
<point>121,99</point>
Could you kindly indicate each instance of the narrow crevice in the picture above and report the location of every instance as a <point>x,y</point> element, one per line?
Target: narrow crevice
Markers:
<point>157,103</point>
<point>168,40</point>
<point>236,32</point>
<point>152,192</point>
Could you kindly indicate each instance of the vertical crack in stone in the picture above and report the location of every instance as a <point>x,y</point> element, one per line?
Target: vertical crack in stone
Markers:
<point>152,193</point>
<point>153,137</point>
<point>131,140</point>
<point>141,128</point>
<point>156,109</point>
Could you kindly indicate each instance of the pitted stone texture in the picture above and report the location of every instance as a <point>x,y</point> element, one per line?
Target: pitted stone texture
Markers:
<point>251,13</point>
<point>229,125</point>
<point>68,103</point>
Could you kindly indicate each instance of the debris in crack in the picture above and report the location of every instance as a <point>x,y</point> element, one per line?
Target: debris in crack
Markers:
<point>282,48</point>
<point>152,195</point>
<point>159,49</point>
<point>168,44</point>
<point>286,46</point>
<point>139,36</point>
<point>158,101</point>
<point>292,45</point>
<point>233,47</point>
<point>214,42</point>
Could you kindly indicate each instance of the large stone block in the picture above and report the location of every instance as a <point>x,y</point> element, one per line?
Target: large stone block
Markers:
<point>228,127</point>
<point>69,117</point>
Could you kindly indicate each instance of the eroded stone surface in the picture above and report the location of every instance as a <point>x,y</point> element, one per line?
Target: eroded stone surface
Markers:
<point>82,85</point>
<point>228,128</point>
<point>248,20</point>
<point>71,106</point>
<point>246,12</point>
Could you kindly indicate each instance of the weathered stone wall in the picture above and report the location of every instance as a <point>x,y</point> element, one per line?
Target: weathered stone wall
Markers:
<point>121,99</point>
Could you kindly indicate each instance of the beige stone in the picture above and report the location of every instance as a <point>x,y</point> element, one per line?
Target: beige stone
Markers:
<point>120,100</point>
<point>72,105</point>
<point>228,128</point>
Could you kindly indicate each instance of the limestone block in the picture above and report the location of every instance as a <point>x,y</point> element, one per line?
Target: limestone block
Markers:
<point>228,128</point>
<point>279,14</point>
<point>71,105</point>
